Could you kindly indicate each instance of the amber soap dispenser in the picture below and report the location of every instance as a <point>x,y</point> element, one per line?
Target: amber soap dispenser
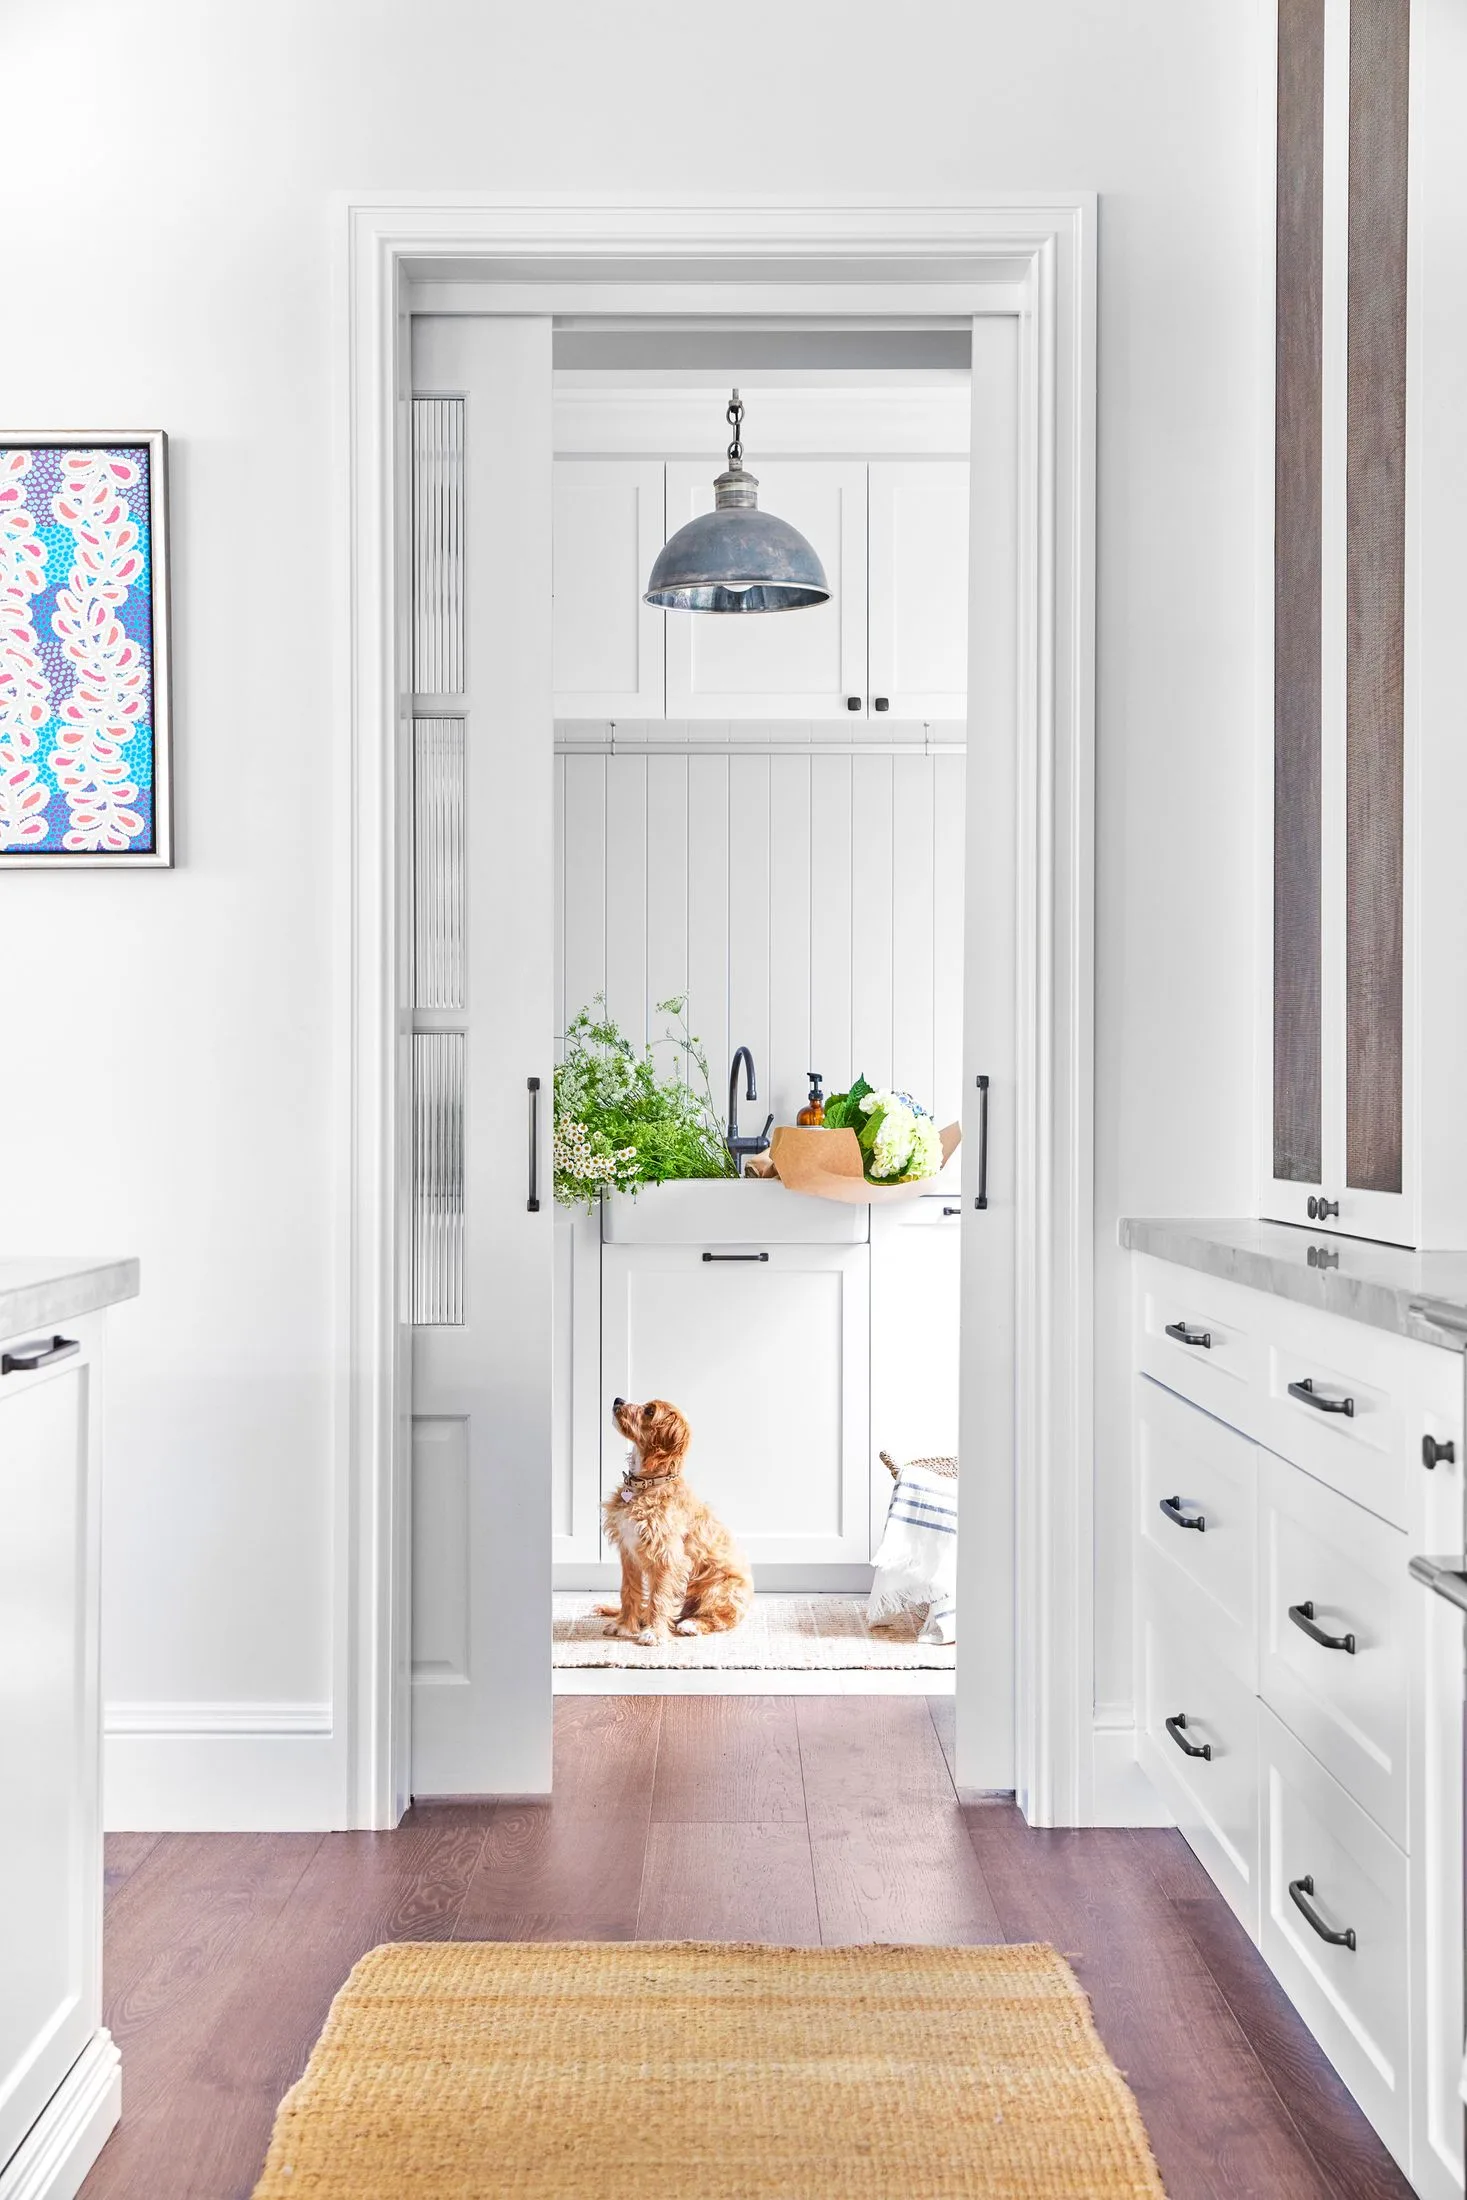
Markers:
<point>812,1114</point>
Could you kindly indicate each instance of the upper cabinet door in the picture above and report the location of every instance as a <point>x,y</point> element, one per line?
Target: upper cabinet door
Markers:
<point>918,523</point>
<point>608,523</point>
<point>790,664</point>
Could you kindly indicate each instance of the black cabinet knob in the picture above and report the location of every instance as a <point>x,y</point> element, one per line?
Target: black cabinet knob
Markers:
<point>881,702</point>
<point>853,702</point>
<point>1433,1453</point>
<point>1320,1210</point>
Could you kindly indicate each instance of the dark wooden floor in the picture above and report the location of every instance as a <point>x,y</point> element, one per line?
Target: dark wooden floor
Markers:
<point>715,1818</point>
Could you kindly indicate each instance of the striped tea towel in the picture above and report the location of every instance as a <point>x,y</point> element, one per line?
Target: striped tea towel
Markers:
<point>917,1561</point>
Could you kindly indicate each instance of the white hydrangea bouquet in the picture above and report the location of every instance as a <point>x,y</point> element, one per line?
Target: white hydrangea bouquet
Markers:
<point>898,1138</point>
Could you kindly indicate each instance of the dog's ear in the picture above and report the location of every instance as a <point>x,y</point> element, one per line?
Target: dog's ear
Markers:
<point>668,1434</point>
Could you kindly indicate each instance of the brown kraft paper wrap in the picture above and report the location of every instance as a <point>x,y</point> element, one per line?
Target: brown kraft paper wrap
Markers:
<point>827,1165</point>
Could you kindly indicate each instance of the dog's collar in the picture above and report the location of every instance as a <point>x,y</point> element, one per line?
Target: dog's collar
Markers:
<point>631,1475</point>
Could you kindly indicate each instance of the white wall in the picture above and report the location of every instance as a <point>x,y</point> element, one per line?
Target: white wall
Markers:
<point>170,251</point>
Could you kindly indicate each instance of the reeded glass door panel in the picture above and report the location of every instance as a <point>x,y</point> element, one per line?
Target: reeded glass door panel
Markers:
<point>438,863</point>
<point>1375,617</point>
<point>1298,823</point>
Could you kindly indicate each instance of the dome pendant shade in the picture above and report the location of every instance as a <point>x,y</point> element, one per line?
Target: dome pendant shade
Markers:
<point>737,558</point>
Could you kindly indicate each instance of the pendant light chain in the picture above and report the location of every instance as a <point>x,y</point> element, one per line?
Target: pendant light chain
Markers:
<point>735,419</point>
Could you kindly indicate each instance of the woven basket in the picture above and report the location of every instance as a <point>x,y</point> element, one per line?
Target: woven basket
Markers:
<point>941,1465</point>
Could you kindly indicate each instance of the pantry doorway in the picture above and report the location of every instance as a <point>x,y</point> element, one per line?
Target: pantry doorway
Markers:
<point>1022,281</point>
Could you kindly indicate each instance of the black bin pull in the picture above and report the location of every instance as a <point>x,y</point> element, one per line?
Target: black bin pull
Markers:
<point>25,1357</point>
<point>735,1256</point>
<point>1307,1395</point>
<point>1303,1617</point>
<point>1184,1335</point>
<point>1177,1728</point>
<point>1172,1507</point>
<point>1299,1892</point>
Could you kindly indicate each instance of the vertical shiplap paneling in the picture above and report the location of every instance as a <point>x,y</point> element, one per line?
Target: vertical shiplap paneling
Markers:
<point>872,957</point>
<point>830,929</point>
<point>626,895</point>
<point>708,909</point>
<point>789,936</point>
<point>748,915</point>
<point>810,907</point>
<point>667,886</point>
<point>948,900</point>
<point>584,874</point>
<point>912,882</point>
<point>558,897</point>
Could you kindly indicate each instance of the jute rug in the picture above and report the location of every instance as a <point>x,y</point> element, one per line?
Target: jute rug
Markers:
<point>464,2070</point>
<point>783,1633</point>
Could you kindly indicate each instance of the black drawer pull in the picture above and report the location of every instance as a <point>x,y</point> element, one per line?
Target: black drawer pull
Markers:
<point>1307,1395</point>
<point>735,1256</point>
<point>1172,1507</point>
<point>1184,1335</point>
<point>1177,1729</point>
<point>1433,1453</point>
<point>1303,1616</point>
<point>1300,1890</point>
<point>952,1210</point>
<point>40,1354</point>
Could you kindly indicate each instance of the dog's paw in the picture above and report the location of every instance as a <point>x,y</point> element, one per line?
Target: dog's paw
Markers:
<point>607,1611</point>
<point>651,1635</point>
<point>688,1627</point>
<point>627,1634</point>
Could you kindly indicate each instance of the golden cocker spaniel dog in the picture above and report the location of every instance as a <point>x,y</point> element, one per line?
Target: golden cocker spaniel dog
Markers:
<point>681,1571</point>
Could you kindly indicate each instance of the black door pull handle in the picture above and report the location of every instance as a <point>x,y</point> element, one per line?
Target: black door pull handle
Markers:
<point>24,1357</point>
<point>1303,1617</point>
<point>1184,1335</point>
<point>1307,1395</point>
<point>532,1201</point>
<point>1177,1729</point>
<point>982,1198</point>
<point>1172,1507</point>
<point>1299,1891</point>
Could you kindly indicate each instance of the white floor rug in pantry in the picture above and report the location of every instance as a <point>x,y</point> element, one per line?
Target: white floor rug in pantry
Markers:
<point>783,1633</point>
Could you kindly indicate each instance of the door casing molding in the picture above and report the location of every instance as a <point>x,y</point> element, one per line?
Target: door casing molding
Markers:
<point>1034,258</point>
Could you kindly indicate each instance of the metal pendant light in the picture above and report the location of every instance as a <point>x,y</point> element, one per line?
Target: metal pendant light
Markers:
<point>737,558</point>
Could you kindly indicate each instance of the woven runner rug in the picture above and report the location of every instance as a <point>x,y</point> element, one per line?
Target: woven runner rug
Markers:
<point>784,1633</point>
<point>694,2071</point>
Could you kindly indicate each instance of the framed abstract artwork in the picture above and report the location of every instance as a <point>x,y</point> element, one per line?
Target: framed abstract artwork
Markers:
<point>84,719</point>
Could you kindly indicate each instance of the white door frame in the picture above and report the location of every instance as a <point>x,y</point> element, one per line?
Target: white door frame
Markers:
<point>1035,258</point>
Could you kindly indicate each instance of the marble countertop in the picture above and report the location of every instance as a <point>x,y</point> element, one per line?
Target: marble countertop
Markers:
<point>1419,1295</point>
<point>35,1293</point>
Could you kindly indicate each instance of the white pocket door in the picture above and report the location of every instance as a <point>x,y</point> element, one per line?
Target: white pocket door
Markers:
<point>766,1351</point>
<point>779,664</point>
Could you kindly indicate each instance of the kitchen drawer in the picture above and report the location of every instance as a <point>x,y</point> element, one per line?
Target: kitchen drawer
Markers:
<point>1196,1335</point>
<point>1328,1564</point>
<point>1196,1488</point>
<point>1353,1998</point>
<point>1214,1792</point>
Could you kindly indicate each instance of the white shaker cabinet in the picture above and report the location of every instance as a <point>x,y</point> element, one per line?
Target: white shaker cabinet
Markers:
<point>607,531</point>
<point>807,664</point>
<point>766,1351</point>
<point>917,647</point>
<point>59,2087</point>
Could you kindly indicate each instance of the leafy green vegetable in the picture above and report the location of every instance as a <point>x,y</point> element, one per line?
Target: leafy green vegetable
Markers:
<point>843,1109</point>
<point>618,1123</point>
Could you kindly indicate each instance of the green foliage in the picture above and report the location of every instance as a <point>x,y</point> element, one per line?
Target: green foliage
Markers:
<point>843,1109</point>
<point>619,1124</point>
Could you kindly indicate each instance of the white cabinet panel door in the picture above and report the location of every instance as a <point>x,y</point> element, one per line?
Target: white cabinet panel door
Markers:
<point>483,1024</point>
<point>50,1839</point>
<point>785,664</point>
<point>918,565</point>
<point>607,532</point>
<point>767,1355</point>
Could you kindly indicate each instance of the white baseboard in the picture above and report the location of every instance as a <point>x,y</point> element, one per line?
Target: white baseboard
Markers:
<point>221,1768</point>
<point>1124,1796</point>
<point>53,2158</point>
<point>710,1680</point>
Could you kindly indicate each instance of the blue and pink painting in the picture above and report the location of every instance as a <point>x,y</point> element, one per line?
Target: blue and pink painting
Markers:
<point>83,760</point>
